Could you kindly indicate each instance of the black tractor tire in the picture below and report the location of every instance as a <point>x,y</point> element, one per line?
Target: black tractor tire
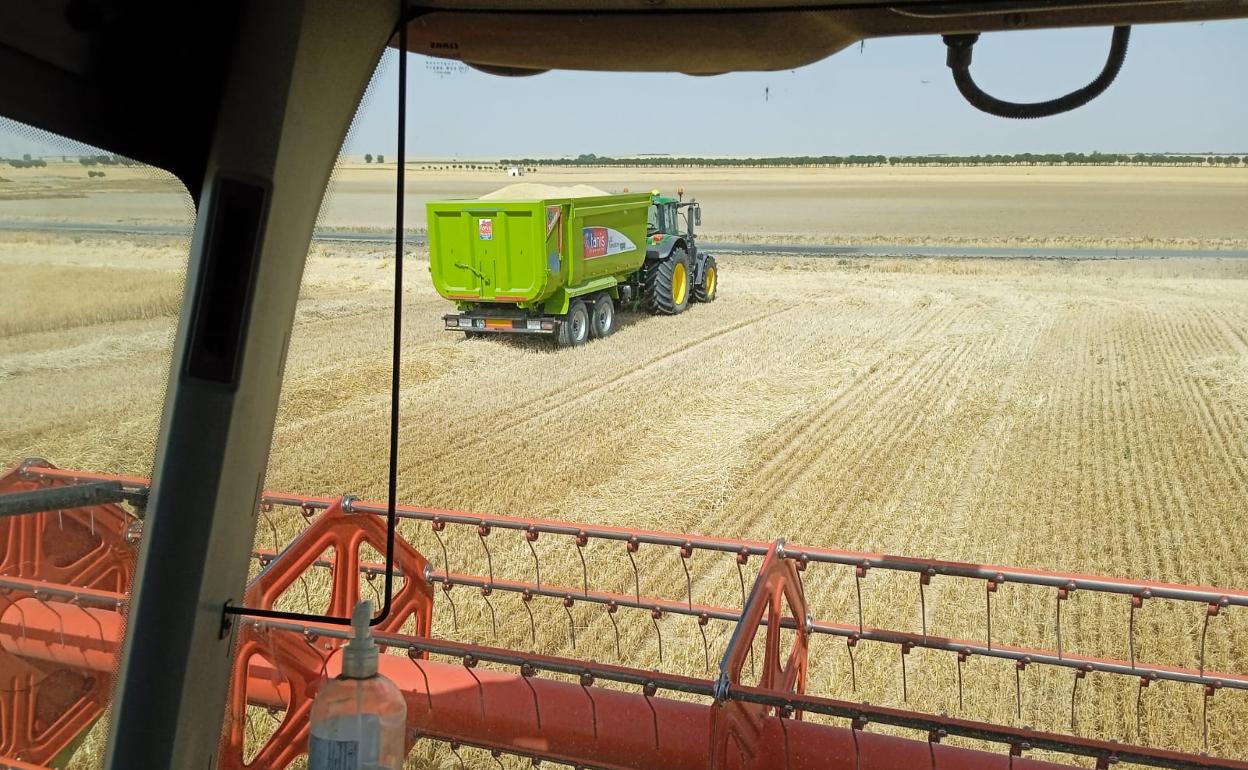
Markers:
<point>602,316</point>
<point>666,284</point>
<point>573,327</point>
<point>706,291</point>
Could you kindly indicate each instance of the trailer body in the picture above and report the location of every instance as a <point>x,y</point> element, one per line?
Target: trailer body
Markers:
<point>535,255</point>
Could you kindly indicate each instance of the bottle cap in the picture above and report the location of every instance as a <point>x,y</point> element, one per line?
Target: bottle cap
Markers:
<point>359,657</point>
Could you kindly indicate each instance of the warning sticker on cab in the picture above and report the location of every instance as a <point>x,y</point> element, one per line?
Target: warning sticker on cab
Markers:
<point>605,241</point>
<point>485,229</point>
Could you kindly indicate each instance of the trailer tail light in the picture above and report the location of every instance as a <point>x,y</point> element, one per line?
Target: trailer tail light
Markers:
<point>451,323</point>
<point>465,323</point>
<point>548,326</point>
<point>498,323</point>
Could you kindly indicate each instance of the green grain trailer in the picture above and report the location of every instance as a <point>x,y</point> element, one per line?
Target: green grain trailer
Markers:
<point>561,266</point>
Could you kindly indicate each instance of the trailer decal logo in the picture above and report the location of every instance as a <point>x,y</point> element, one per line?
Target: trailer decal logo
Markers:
<point>553,215</point>
<point>485,229</point>
<point>605,241</point>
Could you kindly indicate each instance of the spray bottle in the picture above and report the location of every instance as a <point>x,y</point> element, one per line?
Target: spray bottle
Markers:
<point>359,717</point>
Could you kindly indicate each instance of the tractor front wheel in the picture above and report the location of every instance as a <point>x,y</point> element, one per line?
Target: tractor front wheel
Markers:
<point>574,328</point>
<point>705,292</point>
<point>666,289</point>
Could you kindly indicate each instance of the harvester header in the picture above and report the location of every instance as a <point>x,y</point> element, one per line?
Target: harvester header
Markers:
<point>741,698</point>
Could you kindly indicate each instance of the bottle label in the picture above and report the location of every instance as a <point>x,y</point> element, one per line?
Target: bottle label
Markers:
<point>325,754</point>
<point>345,743</point>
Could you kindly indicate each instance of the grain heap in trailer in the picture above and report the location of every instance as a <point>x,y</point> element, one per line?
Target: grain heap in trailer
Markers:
<point>534,259</point>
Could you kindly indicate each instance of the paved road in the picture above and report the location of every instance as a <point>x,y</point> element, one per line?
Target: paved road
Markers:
<point>807,250</point>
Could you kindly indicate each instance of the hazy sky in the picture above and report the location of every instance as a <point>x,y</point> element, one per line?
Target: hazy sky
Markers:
<point>1184,88</point>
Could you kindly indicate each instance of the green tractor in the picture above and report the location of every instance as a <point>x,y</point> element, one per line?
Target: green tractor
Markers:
<point>674,272</point>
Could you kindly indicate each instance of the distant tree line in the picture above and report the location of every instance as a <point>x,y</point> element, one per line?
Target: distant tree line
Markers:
<point>25,162</point>
<point>833,161</point>
<point>106,160</point>
<point>499,166</point>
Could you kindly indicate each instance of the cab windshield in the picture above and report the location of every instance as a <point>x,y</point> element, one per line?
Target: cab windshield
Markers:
<point>661,219</point>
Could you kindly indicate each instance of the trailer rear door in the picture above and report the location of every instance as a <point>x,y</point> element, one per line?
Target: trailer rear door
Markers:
<point>486,254</point>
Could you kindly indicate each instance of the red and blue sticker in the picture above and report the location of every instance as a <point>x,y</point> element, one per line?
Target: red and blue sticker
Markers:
<point>485,229</point>
<point>605,241</point>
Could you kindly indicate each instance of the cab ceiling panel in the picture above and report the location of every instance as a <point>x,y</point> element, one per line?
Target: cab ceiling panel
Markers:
<point>703,37</point>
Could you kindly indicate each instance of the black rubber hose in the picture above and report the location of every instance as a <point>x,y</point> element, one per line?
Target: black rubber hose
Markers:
<point>959,60</point>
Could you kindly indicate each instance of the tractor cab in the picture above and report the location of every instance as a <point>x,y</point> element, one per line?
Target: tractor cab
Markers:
<point>673,216</point>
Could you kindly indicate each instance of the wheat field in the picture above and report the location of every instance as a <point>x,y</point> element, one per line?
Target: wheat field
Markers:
<point>1072,415</point>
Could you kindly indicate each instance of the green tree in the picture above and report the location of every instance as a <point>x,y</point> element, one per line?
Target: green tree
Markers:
<point>368,157</point>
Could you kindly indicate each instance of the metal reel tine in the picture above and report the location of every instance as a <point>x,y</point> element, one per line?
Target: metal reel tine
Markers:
<point>1019,666</point>
<point>414,654</point>
<point>648,690</point>
<point>446,591</point>
<point>526,671</point>
<point>438,525</point>
<point>587,679</point>
<point>1210,689</point>
<point>483,530</point>
<point>567,608</point>
<point>850,643</point>
<point>530,537</point>
<point>686,551</point>
<point>655,614</point>
<point>631,548</point>
<point>612,608</point>
<point>905,691</point>
<point>526,598</point>
<point>264,511</point>
<point>1074,699</point>
<point>741,576</point>
<point>703,619</point>
<point>582,540</point>
<point>485,594</point>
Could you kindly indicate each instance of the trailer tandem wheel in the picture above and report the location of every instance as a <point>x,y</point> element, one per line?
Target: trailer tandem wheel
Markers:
<point>574,327</point>
<point>602,316</point>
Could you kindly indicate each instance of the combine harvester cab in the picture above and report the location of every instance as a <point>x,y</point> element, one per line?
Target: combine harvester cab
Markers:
<point>562,266</point>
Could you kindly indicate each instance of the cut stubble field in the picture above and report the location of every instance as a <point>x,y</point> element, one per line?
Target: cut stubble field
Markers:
<point>1082,416</point>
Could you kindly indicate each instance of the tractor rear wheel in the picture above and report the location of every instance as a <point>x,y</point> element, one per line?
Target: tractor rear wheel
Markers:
<point>705,292</point>
<point>602,316</point>
<point>574,328</point>
<point>666,287</point>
